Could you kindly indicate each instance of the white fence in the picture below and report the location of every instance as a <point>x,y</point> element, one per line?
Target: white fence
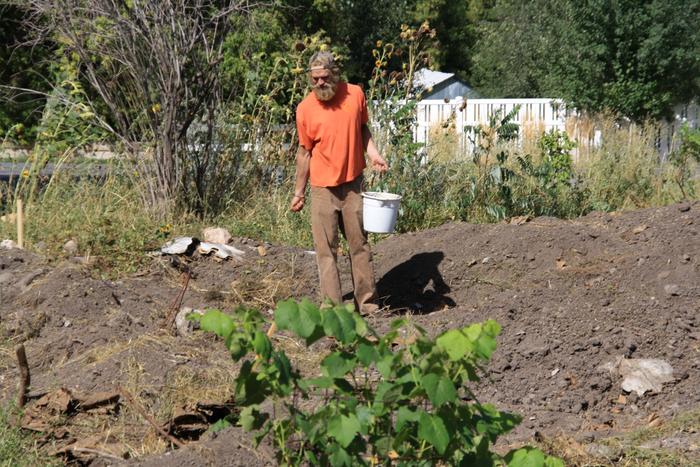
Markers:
<point>537,114</point>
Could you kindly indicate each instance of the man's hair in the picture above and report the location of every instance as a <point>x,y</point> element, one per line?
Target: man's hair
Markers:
<point>323,60</point>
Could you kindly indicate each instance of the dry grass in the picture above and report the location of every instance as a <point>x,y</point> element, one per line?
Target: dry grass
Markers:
<point>627,450</point>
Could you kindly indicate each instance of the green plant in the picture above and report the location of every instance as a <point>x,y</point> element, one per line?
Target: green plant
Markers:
<point>551,185</point>
<point>489,188</point>
<point>394,399</point>
<point>685,160</point>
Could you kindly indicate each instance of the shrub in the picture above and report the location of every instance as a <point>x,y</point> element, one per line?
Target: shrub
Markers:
<point>398,398</point>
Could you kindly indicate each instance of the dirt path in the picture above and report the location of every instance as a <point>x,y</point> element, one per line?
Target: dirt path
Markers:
<point>571,296</point>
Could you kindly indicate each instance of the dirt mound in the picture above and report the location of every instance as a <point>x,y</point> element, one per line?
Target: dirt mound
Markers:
<point>571,296</point>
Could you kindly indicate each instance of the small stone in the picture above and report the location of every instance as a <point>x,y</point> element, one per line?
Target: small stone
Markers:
<point>602,451</point>
<point>605,302</point>
<point>8,244</point>
<point>684,207</point>
<point>216,235</point>
<point>67,324</point>
<point>672,289</point>
<point>70,247</point>
<point>663,275</point>
<point>685,258</point>
<point>486,260</point>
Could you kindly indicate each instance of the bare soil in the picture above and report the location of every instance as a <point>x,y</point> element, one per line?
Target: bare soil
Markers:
<point>570,295</point>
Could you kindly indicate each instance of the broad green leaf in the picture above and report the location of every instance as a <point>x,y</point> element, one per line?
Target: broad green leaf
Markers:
<point>337,364</point>
<point>338,456</point>
<point>344,428</point>
<point>286,314</point>
<point>440,389</point>
<point>367,354</point>
<point>262,345</point>
<point>366,418</point>
<point>323,382</point>
<point>217,322</point>
<point>405,415</point>
<point>361,327</point>
<point>284,368</point>
<point>531,457</point>
<point>432,429</point>
<point>339,323</point>
<point>455,343</point>
<point>309,318</point>
<point>386,365</point>
<point>221,424</point>
<point>251,418</point>
<point>250,389</point>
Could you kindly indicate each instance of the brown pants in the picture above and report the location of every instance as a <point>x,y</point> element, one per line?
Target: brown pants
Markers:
<point>334,208</point>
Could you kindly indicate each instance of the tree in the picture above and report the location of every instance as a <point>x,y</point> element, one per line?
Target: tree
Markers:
<point>154,66</point>
<point>21,69</point>
<point>637,58</point>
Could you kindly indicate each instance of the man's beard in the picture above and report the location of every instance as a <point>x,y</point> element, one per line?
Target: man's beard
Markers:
<point>327,92</point>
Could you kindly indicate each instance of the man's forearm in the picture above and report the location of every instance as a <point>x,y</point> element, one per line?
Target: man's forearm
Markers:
<point>303,160</point>
<point>368,143</point>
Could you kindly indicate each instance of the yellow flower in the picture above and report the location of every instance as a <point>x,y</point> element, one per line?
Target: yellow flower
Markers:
<point>379,44</point>
<point>378,63</point>
<point>155,108</point>
<point>25,173</point>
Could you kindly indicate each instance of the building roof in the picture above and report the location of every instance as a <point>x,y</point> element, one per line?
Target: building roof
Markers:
<point>440,85</point>
<point>426,78</point>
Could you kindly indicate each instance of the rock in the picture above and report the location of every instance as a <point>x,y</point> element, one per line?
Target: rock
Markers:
<point>6,278</point>
<point>602,451</point>
<point>486,260</point>
<point>663,275</point>
<point>185,326</point>
<point>70,247</point>
<point>643,375</point>
<point>685,258</point>
<point>672,289</point>
<point>8,244</point>
<point>216,235</point>
<point>684,207</point>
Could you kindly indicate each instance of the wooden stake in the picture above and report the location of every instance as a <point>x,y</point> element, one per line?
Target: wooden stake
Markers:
<point>20,224</point>
<point>24,378</point>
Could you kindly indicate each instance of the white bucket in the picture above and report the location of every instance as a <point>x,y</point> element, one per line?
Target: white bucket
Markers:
<point>380,211</point>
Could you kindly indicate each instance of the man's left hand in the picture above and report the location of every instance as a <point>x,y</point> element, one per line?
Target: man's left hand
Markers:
<point>378,163</point>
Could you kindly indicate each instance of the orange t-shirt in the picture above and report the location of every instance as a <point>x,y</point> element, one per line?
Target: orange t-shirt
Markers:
<point>332,131</point>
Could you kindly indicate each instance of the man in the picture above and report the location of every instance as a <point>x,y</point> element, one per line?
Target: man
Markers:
<point>333,138</point>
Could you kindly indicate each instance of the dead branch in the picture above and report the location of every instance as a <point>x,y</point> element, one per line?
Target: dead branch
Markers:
<point>175,306</point>
<point>24,378</point>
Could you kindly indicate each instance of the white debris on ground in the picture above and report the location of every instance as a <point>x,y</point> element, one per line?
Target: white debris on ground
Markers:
<point>187,245</point>
<point>641,375</point>
<point>8,244</point>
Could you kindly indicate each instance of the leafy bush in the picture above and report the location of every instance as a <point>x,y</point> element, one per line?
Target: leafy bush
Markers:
<point>396,398</point>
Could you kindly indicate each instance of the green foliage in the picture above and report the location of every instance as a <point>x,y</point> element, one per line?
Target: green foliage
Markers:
<point>635,58</point>
<point>22,67</point>
<point>685,160</point>
<point>399,397</point>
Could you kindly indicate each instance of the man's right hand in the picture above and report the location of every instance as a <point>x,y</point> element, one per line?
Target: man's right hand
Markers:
<point>297,203</point>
